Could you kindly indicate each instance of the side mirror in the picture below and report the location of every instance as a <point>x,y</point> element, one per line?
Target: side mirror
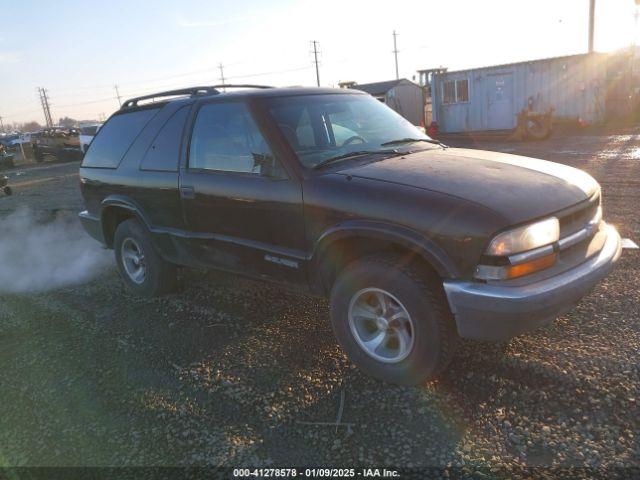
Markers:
<point>268,165</point>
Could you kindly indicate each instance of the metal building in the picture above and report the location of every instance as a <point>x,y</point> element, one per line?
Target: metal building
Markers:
<point>585,88</point>
<point>402,95</point>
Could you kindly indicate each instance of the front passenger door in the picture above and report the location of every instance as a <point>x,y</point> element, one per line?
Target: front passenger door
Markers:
<point>243,211</point>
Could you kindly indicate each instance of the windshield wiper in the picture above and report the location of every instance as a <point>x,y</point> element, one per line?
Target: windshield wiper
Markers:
<point>357,153</point>
<point>400,141</point>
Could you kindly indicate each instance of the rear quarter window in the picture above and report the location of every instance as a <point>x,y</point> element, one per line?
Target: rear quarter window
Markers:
<point>164,152</point>
<point>115,137</point>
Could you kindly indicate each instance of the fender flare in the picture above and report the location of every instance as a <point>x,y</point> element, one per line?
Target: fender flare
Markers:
<point>124,203</point>
<point>398,234</point>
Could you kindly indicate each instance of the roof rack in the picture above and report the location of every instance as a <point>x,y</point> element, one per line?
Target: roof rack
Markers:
<point>192,91</point>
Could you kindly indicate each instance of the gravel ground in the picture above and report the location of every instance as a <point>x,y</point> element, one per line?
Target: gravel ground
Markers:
<point>233,372</point>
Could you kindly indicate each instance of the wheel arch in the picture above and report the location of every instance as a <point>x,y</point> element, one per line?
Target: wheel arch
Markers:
<point>116,209</point>
<point>342,244</point>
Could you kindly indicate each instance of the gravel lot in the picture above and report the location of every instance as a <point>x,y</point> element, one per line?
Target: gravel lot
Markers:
<point>233,372</point>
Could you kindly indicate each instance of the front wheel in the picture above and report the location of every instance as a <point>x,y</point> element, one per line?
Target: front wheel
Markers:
<point>393,320</point>
<point>141,267</point>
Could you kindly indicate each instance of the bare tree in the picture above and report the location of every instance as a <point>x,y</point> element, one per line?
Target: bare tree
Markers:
<point>30,127</point>
<point>68,122</point>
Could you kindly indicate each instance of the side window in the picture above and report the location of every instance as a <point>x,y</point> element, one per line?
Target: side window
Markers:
<point>115,137</point>
<point>462,90</point>
<point>449,92</point>
<point>225,138</point>
<point>164,152</point>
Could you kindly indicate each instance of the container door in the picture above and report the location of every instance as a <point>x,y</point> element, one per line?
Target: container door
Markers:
<point>500,114</point>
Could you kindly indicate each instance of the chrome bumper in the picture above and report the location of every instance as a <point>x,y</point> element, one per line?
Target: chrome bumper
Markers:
<point>496,312</point>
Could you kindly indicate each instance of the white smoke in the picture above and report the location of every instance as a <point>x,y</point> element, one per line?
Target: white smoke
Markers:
<point>39,253</point>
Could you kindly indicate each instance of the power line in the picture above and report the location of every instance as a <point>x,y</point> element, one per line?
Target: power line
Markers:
<point>119,95</point>
<point>275,72</point>
<point>315,60</point>
<point>395,53</point>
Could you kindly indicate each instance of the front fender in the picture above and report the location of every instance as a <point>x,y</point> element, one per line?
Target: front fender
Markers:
<point>392,233</point>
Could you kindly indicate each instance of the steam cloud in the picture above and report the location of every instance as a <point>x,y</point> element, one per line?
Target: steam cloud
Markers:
<point>37,255</point>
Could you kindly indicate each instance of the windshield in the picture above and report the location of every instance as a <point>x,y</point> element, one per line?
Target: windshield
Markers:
<point>320,127</point>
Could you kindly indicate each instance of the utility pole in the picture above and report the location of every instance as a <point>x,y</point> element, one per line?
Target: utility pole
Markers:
<point>592,21</point>
<point>44,101</point>
<point>395,53</point>
<point>635,18</point>
<point>315,60</point>
<point>221,67</point>
<point>1,125</point>
<point>118,95</point>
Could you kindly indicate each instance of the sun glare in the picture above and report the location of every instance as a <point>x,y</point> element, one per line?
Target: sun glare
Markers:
<point>617,24</point>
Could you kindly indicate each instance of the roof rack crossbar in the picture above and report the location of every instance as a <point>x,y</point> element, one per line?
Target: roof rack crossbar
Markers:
<point>193,91</point>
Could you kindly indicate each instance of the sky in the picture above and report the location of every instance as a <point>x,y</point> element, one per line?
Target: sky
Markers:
<point>79,50</point>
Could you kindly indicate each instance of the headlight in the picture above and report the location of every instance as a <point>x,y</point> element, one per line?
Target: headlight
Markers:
<point>525,238</point>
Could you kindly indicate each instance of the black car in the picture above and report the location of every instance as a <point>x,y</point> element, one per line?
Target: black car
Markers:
<point>329,191</point>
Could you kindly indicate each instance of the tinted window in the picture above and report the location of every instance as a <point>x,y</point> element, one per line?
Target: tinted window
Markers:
<point>164,152</point>
<point>115,137</point>
<point>226,138</point>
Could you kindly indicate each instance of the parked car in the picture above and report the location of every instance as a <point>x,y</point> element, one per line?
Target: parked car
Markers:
<point>22,139</point>
<point>60,142</point>
<point>7,140</point>
<point>332,193</point>
<point>87,132</point>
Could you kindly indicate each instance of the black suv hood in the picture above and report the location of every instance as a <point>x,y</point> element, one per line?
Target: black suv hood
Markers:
<point>518,188</point>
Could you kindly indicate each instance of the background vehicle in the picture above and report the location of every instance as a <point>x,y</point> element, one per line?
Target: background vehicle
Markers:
<point>8,140</point>
<point>60,142</point>
<point>87,132</point>
<point>331,192</point>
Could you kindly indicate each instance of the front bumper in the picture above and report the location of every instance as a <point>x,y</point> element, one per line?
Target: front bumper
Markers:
<point>496,312</point>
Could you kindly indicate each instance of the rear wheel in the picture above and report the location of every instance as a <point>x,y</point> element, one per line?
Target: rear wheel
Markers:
<point>393,320</point>
<point>140,265</point>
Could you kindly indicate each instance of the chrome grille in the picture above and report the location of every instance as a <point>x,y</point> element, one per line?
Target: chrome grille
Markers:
<point>578,219</point>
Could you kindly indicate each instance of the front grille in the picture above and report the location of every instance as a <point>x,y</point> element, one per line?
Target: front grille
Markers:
<point>578,219</point>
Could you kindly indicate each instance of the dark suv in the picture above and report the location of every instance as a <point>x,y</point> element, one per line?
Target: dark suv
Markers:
<point>331,192</point>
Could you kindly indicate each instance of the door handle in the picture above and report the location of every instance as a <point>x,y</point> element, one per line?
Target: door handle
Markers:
<point>187,192</point>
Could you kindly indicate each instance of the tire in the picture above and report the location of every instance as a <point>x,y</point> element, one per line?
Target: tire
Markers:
<point>158,276</point>
<point>7,190</point>
<point>429,336</point>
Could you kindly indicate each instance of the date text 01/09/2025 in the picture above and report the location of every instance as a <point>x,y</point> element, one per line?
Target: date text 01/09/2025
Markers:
<point>315,472</point>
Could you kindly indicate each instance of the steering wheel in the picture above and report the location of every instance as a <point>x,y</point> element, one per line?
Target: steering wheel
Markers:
<point>352,139</point>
